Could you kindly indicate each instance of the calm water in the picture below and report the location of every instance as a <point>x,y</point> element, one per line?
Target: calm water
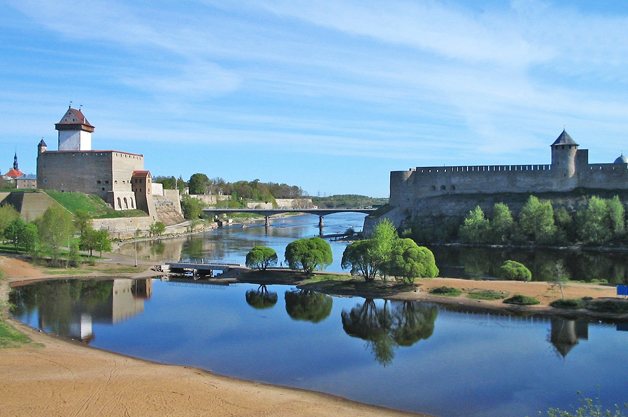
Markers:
<point>410,356</point>
<point>232,243</point>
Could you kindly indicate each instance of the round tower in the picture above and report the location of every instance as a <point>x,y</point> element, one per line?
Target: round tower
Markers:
<point>564,150</point>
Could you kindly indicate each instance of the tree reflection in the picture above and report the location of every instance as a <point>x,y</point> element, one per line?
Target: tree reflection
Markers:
<point>261,298</point>
<point>387,327</point>
<point>308,305</point>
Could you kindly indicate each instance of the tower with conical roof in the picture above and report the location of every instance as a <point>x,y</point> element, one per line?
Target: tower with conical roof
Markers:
<point>75,132</point>
<point>564,150</point>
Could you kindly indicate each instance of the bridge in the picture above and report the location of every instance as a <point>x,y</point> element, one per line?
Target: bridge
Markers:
<point>270,212</point>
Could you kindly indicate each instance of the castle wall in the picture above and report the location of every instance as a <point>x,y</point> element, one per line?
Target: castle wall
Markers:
<point>86,172</point>
<point>123,166</point>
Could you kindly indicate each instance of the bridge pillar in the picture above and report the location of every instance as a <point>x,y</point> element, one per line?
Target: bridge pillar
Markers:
<point>267,221</point>
<point>321,224</point>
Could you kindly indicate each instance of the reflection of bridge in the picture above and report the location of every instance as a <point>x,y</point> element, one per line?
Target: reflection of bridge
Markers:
<point>201,269</point>
<point>270,212</point>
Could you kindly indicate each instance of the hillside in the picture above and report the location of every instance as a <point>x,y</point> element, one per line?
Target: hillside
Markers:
<point>90,203</point>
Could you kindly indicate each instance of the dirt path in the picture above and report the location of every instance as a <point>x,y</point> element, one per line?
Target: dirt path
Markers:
<point>56,377</point>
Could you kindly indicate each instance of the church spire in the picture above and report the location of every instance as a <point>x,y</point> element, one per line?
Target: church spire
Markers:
<point>15,161</point>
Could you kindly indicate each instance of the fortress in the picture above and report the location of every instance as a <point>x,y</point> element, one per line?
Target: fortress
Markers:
<point>454,190</point>
<point>117,177</point>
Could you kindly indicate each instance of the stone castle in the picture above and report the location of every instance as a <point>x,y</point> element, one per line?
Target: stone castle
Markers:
<point>454,190</point>
<point>117,177</point>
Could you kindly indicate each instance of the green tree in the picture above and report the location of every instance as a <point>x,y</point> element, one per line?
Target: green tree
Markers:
<point>475,228</point>
<point>357,257</point>
<point>82,220</point>
<point>536,220</point>
<point>198,183</point>
<point>501,224</point>
<point>74,256</point>
<point>410,261</point>
<point>384,238</point>
<point>55,230</point>
<point>616,213</point>
<point>566,227</point>
<point>13,232</point>
<point>7,215</point>
<point>261,257</point>
<point>103,243</point>
<point>594,222</point>
<point>157,229</point>
<point>28,237</point>
<point>309,254</point>
<point>88,240</point>
<point>512,270</point>
<point>559,278</point>
<point>192,207</point>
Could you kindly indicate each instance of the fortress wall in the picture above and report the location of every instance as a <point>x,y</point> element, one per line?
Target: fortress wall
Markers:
<point>604,176</point>
<point>408,186</point>
<point>66,171</point>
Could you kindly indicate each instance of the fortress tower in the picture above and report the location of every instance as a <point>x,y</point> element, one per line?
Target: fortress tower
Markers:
<point>75,132</point>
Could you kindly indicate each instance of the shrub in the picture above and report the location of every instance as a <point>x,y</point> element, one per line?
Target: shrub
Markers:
<point>516,271</point>
<point>568,303</point>
<point>487,295</point>
<point>521,300</point>
<point>447,291</point>
<point>608,306</point>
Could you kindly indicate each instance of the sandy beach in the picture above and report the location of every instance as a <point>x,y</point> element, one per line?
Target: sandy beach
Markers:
<point>58,377</point>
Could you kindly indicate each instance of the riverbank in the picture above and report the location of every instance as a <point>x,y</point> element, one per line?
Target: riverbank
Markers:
<point>55,376</point>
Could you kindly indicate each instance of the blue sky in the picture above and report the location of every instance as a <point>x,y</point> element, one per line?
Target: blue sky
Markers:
<point>330,95</point>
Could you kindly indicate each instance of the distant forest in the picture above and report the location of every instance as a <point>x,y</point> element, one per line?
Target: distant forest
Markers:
<point>348,201</point>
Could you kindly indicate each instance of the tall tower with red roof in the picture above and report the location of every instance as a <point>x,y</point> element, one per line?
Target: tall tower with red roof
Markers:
<point>75,132</point>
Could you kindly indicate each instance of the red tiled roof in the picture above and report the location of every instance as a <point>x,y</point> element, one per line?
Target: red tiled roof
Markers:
<point>141,173</point>
<point>80,118</point>
<point>14,173</point>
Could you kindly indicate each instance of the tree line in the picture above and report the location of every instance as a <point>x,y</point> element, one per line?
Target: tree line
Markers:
<point>599,222</point>
<point>54,230</point>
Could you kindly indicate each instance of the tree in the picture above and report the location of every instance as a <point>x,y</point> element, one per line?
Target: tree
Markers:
<point>192,207</point>
<point>103,243</point>
<point>7,215</point>
<point>198,183</point>
<point>13,232</point>
<point>537,220</point>
<point>409,261</point>
<point>594,222</point>
<point>501,224</point>
<point>616,213</point>
<point>559,278</point>
<point>82,220</point>
<point>92,240</point>
<point>309,254</point>
<point>475,227</point>
<point>514,271</point>
<point>157,229</point>
<point>55,229</point>
<point>261,257</point>
<point>357,257</point>
<point>28,237</point>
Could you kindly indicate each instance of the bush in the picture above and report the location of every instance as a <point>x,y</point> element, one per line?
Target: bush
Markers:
<point>568,303</point>
<point>516,271</point>
<point>487,295</point>
<point>608,306</point>
<point>447,291</point>
<point>521,300</point>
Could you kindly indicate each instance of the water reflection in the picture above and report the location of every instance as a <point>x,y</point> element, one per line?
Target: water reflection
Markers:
<point>565,334</point>
<point>308,305</point>
<point>70,308</point>
<point>385,328</point>
<point>464,262</point>
<point>261,298</point>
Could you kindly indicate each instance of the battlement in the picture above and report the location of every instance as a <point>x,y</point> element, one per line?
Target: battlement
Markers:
<point>480,168</point>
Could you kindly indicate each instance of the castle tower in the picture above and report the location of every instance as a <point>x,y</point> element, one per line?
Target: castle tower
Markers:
<point>75,132</point>
<point>564,151</point>
<point>41,147</point>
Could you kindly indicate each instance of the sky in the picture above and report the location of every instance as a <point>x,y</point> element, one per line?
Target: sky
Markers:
<point>329,95</point>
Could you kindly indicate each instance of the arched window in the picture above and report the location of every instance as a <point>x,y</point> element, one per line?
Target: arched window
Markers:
<point>126,203</point>
<point>432,188</point>
<point>442,187</point>
<point>453,187</point>
<point>132,206</point>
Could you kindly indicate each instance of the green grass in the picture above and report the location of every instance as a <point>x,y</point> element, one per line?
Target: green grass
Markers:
<point>91,203</point>
<point>521,300</point>
<point>487,295</point>
<point>617,306</point>
<point>9,337</point>
<point>446,291</point>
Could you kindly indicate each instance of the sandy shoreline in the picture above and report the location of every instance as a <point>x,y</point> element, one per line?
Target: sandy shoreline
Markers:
<point>58,377</point>
<point>55,376</point>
